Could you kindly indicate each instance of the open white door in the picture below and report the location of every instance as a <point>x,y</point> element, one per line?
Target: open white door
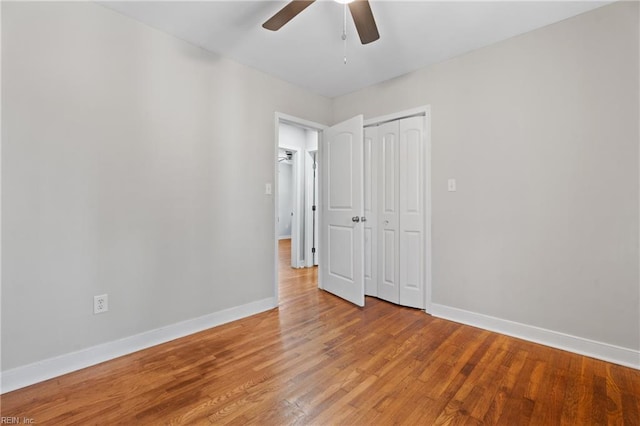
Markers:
<point>342,231</point>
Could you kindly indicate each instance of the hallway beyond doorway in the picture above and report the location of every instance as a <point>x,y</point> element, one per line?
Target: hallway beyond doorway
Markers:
<point>293,281</point>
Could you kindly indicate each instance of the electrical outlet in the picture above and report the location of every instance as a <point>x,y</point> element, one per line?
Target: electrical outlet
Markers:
<point>100,304</point>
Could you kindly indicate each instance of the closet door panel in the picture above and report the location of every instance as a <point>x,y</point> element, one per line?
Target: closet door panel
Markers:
<point>389,256</point>
<point>411,275</point>
<point>370,211</point>
<point>389,234</point>
<point>388,285</point>
<point>411,212</point>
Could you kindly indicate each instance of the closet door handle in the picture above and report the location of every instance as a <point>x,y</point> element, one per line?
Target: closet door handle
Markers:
<point>355,219</point>
<point>363,219</point>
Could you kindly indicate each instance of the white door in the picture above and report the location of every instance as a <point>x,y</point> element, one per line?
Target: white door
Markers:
<point>342,242</point>
<point>411,212</point>
<point>388,236</point>
<point>401,237</point>
<point>296,248</point>
<point>371,211</point>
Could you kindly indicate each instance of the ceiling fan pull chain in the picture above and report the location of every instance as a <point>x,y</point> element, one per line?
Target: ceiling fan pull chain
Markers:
<point>344,33</point>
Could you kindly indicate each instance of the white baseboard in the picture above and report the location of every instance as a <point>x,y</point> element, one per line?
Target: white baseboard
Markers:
<point>591,348</point>
<point>284,237</point>
<point>43,370</point>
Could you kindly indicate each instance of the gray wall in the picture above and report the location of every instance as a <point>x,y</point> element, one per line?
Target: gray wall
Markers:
<point>133,164</point>
<point>541,133</point>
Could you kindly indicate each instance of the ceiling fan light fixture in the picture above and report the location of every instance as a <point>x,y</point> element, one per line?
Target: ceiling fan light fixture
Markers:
<point>360,12</point>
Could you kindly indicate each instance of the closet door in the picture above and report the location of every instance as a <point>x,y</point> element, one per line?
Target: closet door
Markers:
<point>370,211</point>
<point>411,212</point>
<point>388,235</point>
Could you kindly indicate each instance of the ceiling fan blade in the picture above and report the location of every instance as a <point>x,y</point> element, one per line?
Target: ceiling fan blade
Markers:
<point>286,14</point>
<point>365,23</point>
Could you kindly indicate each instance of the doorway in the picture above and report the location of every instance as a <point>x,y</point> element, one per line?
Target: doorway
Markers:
<point>296,195</point>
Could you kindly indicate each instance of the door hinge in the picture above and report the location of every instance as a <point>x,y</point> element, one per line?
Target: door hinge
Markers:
<point>313,208</point>
<point>313,249</point>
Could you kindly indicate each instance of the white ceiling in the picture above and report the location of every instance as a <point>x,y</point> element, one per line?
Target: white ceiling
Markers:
<point>308,51</point>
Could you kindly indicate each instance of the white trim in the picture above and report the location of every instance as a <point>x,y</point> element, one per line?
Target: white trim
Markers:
<point>427,210</point>
<point>555,339</point>
<point>276,202</point>
<point>43,370</point>
<point>300,122</point>
<point>421,110</point>
<point>309,184</point>
<point>284,237</point>
<point>319,207</point>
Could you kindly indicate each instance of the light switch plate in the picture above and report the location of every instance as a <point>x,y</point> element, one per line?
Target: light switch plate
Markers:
<point>451,185</point>
<point>267,189</point>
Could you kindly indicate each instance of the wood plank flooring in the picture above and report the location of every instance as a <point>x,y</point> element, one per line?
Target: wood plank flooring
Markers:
<point>318,360</point>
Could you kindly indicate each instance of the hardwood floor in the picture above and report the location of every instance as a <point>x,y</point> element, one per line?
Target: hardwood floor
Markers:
<point>319,360</point>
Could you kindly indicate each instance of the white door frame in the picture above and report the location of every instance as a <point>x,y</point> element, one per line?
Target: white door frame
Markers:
<point>299,122</point>
<point>426,112</point>
<point>309,189</point>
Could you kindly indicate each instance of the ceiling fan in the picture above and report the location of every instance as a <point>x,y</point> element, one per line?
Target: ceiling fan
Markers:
<point>360,11</point>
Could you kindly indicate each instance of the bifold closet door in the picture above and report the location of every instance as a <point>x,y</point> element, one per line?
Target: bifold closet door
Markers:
<point>411,212</point>
<point>401,212</point>
<point>388,206</point>
<point>370,172</point>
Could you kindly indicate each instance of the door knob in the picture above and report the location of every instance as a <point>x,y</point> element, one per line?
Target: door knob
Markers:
<point>363,219</point>
<point>355,219</point>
